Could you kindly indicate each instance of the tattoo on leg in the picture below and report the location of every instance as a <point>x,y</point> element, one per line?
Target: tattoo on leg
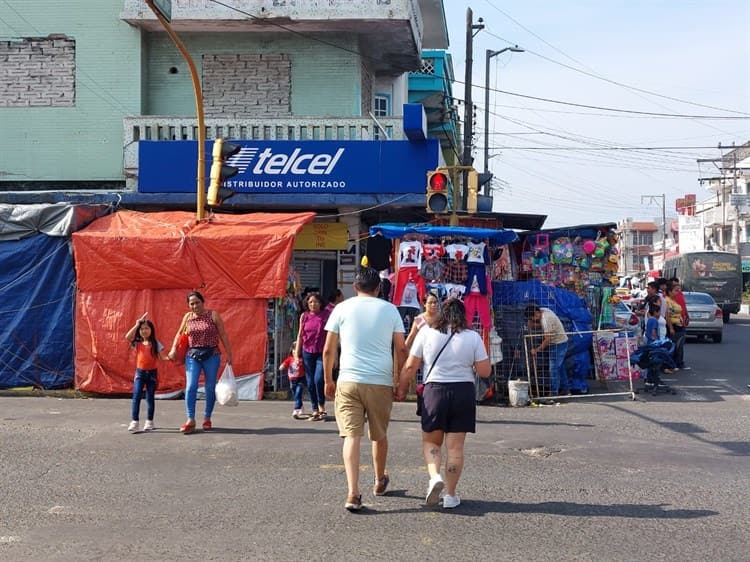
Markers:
<point>434,451</point>
<point>451,468</point>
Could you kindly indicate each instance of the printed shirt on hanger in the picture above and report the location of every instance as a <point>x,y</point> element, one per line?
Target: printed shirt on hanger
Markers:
<point>410,254</point>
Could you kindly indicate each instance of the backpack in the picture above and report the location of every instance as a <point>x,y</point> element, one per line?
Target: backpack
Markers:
<point>562,250</point>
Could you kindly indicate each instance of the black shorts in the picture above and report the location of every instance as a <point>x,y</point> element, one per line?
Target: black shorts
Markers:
<point>450,407</point>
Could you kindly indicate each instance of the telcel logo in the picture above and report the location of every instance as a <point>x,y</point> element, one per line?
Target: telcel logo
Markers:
<point>296,163</point>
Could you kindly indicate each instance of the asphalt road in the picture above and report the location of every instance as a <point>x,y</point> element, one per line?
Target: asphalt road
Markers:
<point>659,478</point>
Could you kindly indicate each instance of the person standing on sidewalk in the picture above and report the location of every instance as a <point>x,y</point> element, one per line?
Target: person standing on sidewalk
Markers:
<point>679,298</point>
<point>370,331</point>
<point>675,325</point>
<point>454,354</point>
<point>309,346</point>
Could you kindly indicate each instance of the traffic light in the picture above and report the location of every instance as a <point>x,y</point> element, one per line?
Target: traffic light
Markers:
<point>438,191</point>
<point>473,191</point>
<point>220,172</point>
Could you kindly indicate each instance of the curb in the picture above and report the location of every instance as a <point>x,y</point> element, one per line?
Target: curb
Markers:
<point>30,391</point>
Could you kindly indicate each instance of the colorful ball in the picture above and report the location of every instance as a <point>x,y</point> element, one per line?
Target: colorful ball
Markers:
<point>589,246</point>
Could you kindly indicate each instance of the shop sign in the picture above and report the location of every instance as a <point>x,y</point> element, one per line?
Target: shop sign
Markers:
<point>294,167</point>
<point>323,236</point>
<point>746,267</point>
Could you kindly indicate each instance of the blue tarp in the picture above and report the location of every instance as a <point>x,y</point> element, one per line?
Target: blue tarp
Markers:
<point>37,288</point>
<point>590,231</point>
<point>496,237</point>
<point>569,307</point>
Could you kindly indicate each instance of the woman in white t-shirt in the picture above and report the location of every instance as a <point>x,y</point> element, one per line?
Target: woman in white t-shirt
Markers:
<point>452,355</point>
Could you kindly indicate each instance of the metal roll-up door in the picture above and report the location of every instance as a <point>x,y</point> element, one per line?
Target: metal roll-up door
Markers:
<point>310,272</point>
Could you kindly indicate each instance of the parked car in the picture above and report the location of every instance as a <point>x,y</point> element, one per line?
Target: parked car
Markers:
<point>706,317</point>
<point>626,318</point>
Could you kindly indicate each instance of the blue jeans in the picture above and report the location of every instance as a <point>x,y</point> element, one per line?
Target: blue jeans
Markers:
<point>557,373</point>
<point>315,381</point>
<point>193,368</point>
<point>143,379</point>
<point>298,387</point>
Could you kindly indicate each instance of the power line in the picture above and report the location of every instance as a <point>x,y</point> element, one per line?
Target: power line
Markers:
<point>614,109</point>
<point>616,83</point>
<point>352,51</point>
<point>622,148</point>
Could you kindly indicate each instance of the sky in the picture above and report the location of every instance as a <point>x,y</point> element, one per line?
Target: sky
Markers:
<point>689,58</point>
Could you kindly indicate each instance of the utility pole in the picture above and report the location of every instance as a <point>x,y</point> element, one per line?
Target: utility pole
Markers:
<point>488,55</point>
<point>736,207</point>
<point>722,166</point>
<point>468,103</point>
<point>651,199</point>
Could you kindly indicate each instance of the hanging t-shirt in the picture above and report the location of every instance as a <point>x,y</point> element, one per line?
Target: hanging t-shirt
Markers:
<point>410,296</point>
<point>457,251</point>
<point>379,250</point>
<point>431,270</point>
<point>432,251</point>
<point>410,254</point>
<point>454,290</point>
<point>477,253</point>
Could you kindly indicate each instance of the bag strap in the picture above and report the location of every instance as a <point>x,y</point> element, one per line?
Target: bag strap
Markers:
<point>424,381</point>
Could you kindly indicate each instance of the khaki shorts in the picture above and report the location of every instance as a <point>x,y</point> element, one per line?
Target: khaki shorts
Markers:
<point>355,401</point>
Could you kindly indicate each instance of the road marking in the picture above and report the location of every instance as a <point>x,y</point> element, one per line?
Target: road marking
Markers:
<point>6,539</point>
<point>691,396</point>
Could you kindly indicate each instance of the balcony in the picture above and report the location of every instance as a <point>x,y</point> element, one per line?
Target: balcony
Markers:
<point>166,128</point>
<point>391,33</point>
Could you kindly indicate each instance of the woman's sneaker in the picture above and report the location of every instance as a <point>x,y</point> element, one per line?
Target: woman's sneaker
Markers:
<point>433,490</point>
<point>148,426</point>
<point>297,414</point>
<point>353,503</point>
<point>449,502</point>
<point>133,426</point>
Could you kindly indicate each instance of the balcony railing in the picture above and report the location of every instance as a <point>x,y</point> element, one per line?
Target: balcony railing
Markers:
<point>166,128</point>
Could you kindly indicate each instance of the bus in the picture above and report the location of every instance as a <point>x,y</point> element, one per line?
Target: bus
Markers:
<point>717,273</point>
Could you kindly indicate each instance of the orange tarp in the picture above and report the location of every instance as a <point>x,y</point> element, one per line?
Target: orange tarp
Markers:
<point>129,263</point>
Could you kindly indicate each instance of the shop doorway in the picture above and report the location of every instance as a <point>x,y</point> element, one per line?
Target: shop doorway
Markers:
<point>317,271</point>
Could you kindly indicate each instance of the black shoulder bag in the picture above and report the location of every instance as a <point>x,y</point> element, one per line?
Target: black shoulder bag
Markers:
<point>420,388</point>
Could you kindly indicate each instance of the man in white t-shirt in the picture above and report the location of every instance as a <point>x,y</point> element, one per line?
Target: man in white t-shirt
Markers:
<point>368,329</point>
<point>555,341</point>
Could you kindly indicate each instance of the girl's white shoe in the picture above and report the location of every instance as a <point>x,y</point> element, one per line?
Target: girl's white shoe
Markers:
<point>133,426</point>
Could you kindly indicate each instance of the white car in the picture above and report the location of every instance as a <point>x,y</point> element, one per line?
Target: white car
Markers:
<point>706,317</point>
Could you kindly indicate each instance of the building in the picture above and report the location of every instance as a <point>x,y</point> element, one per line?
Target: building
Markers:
<point>726,211</point>
<point>636,245</point>
<point>338,107</point>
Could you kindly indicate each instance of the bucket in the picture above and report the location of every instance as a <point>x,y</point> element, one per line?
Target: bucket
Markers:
<point>518,393</point>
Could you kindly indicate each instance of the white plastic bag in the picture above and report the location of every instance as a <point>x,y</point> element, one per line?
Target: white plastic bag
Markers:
<point>226,388</point>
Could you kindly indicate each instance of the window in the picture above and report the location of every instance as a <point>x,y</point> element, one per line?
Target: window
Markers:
<point>643,238</point>
<point>381,106</point>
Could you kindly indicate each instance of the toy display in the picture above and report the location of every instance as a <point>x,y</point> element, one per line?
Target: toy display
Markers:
<point>572,259</point>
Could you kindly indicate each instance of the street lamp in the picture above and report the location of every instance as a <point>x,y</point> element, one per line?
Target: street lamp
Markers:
<point>490,54</point>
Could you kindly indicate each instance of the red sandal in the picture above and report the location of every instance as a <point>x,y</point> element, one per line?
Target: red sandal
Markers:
<point>207,425</point>
<point>187,428</point>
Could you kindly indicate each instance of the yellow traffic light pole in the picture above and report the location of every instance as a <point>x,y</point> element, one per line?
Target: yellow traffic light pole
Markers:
<point>201,181</point>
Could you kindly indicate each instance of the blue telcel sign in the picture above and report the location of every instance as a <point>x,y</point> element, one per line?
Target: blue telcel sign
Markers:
<point>291,167</point>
